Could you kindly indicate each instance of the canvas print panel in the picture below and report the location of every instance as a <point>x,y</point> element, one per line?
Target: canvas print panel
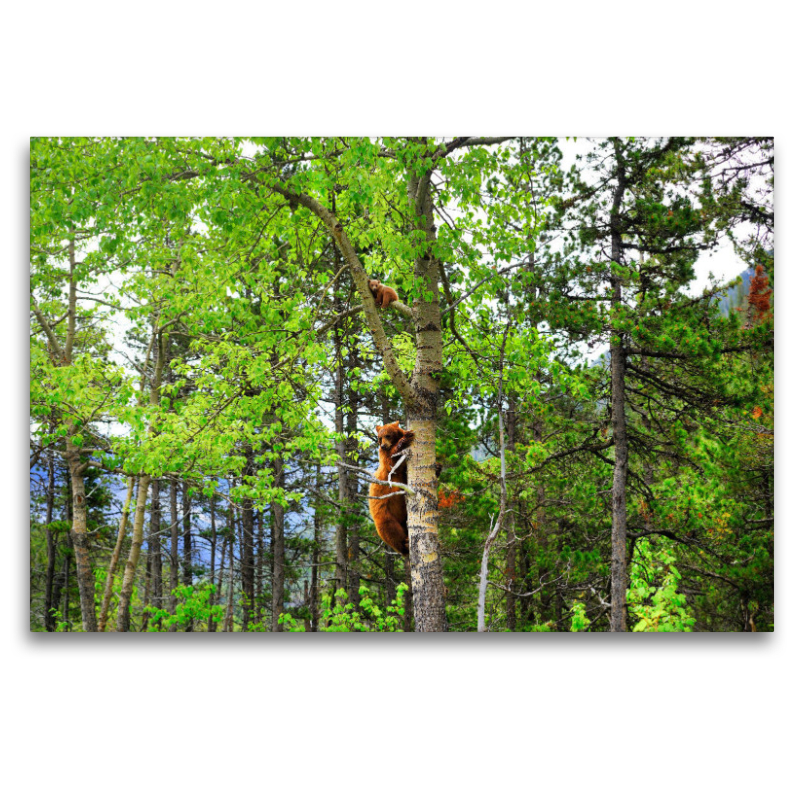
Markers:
<point>423,384</point>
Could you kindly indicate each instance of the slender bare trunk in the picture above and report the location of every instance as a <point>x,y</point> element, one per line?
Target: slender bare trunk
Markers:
<point>354,544</point>
<point>124,611</point>
<point>248,592</point>
<point>315,555</point>
<point>232,539</point>
<point>618,492</point>
<point>65,581</point>
<point>484,576</point>
<point>155,544</point>
<point>173,548</point>
<point>259,598</point>
<point>187,535</point>
<point>112,566</point>
<point>278,567</point>
<point>408,599</point>
<point>49,618</point>
<point>218,590</point>
<point>340,575</point>
<point>212,567</point>
<point>511,535</point>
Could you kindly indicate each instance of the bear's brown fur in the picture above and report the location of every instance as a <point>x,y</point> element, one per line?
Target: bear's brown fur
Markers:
<point>389,514</point>
<point>384,295</point>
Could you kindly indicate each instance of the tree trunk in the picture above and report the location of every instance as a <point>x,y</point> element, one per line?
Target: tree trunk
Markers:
<point>187,535</point>
<point>218,590</point>
<point>618,491</point>
<point>511,535</point>
<point>340,575</point>
<point>427,579</point>
<point>278,557</point>
<point>112,566</point>
<point>259,598</point>
<point>248,576</point>
<point>408,616</point>
<point>49,617</point>
<point>124,611</point>
<point>65,581</point>
<point>354,545</point>
<point>80,537</point>
<point>173,549</point>
<point>232,539</point>
<point>212,566</point>
<point>155,544</point>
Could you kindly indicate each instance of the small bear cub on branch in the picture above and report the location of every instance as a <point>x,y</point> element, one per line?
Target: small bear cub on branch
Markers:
<point>384,295</point>
<point>389,513</point>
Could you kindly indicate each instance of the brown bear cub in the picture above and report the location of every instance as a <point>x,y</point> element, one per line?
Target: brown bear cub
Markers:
<point>384,295</point>
<point>389,514</point>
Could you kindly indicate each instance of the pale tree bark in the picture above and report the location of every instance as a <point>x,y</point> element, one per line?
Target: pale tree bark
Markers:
<point>618,364</point>
<point>484,574</point>
<point>124,611</point>
<point>112,566</point>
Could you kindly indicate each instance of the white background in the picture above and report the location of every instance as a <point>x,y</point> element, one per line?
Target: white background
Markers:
<point>458,716</point>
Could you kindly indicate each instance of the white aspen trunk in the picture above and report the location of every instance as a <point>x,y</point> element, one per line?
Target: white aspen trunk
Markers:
<point>112,567</point>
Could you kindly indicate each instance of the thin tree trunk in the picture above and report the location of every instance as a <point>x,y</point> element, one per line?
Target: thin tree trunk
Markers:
<point>618,491</point>
<point>340,575</point>
<point>65,611</point>
<point>124,611</point>
<point>155,544</point>
<point>484,576</point>
<point>354,544</point>
<point>232,539</point>
<point>511,535</point>
<point>112,566</point>
<point>248,592</point>
<point>408,598</point>
<point>80,538</point>
<point>259,589</point>
<point>49,618</point>
<point>278,540</point>
<point>187,535</point>
<point>315,555</point>
<point>79,532</point>
<point>173,549</point>
<point>212,567</point>
<point>218,590</point>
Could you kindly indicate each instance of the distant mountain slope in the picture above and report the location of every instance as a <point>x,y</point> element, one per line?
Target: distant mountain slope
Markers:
<point>736,296</point>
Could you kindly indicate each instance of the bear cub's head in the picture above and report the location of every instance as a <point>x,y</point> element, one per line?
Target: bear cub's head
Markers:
<point>389,435</point>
